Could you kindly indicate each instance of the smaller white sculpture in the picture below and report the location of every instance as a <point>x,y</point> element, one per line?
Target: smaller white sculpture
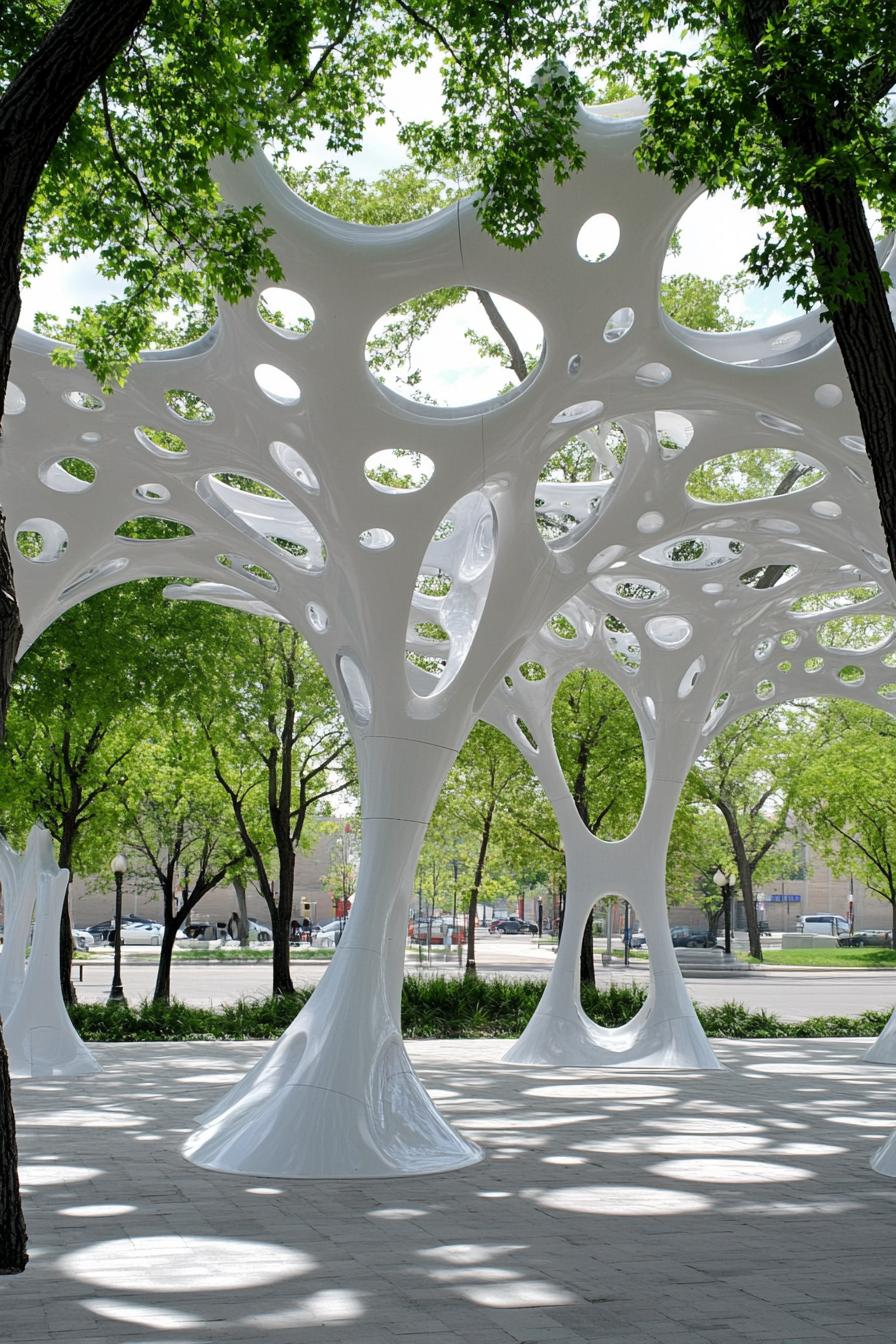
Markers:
<point>883,1051</point>
<point>884,1160</point>
<point>40,1039</point>
<point>19,875</point>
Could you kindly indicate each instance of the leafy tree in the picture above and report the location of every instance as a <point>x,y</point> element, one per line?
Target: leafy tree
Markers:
<point>177,820</point>
<point>698,847</point>
<point>279,749</point>
<point>788,103</point>
<point>751,774</point>
<point>76,715</point>
<point>474,802</point>
<point>847,797</point>
<point>341,878</point>
<point>599,748</point>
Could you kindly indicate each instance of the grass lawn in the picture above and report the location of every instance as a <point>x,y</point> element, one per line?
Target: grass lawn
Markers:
<point>843,958</point>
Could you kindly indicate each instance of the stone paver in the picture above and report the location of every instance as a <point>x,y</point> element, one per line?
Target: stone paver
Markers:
<point>624,1208</point>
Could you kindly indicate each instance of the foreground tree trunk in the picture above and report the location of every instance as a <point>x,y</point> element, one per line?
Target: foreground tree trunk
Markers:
<point>844,256</point>
<point>13,1237</point>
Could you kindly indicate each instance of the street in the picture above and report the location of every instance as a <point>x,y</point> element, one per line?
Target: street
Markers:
<point>790,994</point>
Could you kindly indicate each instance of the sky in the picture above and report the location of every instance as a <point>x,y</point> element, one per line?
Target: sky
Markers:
<point>715,234</point>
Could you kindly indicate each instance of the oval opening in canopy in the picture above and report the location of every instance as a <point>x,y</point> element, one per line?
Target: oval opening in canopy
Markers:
<point>287,312</point>
<point>856,633</point>
<point>811,603</point>
<point>188,405</point>
<point>753,473</point>
<point>398,471</point>
<point>598,742</point>
<point>355,689</point>
<point>259,512</point>
<point>470,347</point>
<point>704,288</point>
<point>68,475</point>
<point>447,602</point>
<point>598,238</point>
<point>41,540</point>
<point>575,480</point>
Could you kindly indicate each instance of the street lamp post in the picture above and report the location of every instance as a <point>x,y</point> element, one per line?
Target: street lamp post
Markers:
<point>455,865</point>
<point>723,882</point>
<point>116,993</point>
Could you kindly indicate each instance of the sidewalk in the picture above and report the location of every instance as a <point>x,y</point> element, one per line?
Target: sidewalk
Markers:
<point>617,1207</point>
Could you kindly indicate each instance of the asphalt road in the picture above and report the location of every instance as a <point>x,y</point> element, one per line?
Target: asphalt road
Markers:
<point>792,995</point>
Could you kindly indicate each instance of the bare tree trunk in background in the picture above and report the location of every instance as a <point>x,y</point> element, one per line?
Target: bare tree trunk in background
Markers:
<point>242,910</point>
<point>586,953</point>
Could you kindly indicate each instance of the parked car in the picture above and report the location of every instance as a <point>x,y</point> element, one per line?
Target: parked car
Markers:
<point>835,925</point>
<point>100,932</point>
<point>684,936</point>
<point>512,925</point>
<point>638,939</point>
<point>259,933</point>
<point>328,935</point>
<point>83,940</point>
<point>141,935</point>
<point>867,938</point>
<point>207,931</point>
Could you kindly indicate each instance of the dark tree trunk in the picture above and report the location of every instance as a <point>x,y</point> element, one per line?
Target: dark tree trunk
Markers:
<point>470,964</point>
<point>470,968</point>
<point>34,111</point>
<point>65,952</point>
<point>586,954</point>
<point>282,975</point>
<point>13,1237</point>
<point>239,888</point>
<point>172,923</point>
<point>66,847</point>
<point>843,255</point>
<point>745,877</point>
<point>282,917</point>
<point>511,344</point>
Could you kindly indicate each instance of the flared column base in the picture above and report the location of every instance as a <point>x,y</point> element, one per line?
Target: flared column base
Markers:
<point>571,1040</point>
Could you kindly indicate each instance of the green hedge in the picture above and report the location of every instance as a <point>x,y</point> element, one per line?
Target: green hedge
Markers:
<point>438,1009</point>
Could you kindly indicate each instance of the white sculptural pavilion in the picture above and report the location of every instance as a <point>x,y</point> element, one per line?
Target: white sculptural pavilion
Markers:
<point>691,644</point>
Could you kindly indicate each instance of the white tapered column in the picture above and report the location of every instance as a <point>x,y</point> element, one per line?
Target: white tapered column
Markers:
<point>40,1039</point>
<point>665,1033</point>
<point>337,1096</point>
<point>883,1051</point>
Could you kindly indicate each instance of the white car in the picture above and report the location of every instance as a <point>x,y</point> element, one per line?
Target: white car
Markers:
<point>141,935</point>
<point>83,940</point>
<point>328,935</point>
<point>835,925</point>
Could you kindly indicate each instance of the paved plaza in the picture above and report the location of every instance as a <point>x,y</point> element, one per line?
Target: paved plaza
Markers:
<point>612,1207</point>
